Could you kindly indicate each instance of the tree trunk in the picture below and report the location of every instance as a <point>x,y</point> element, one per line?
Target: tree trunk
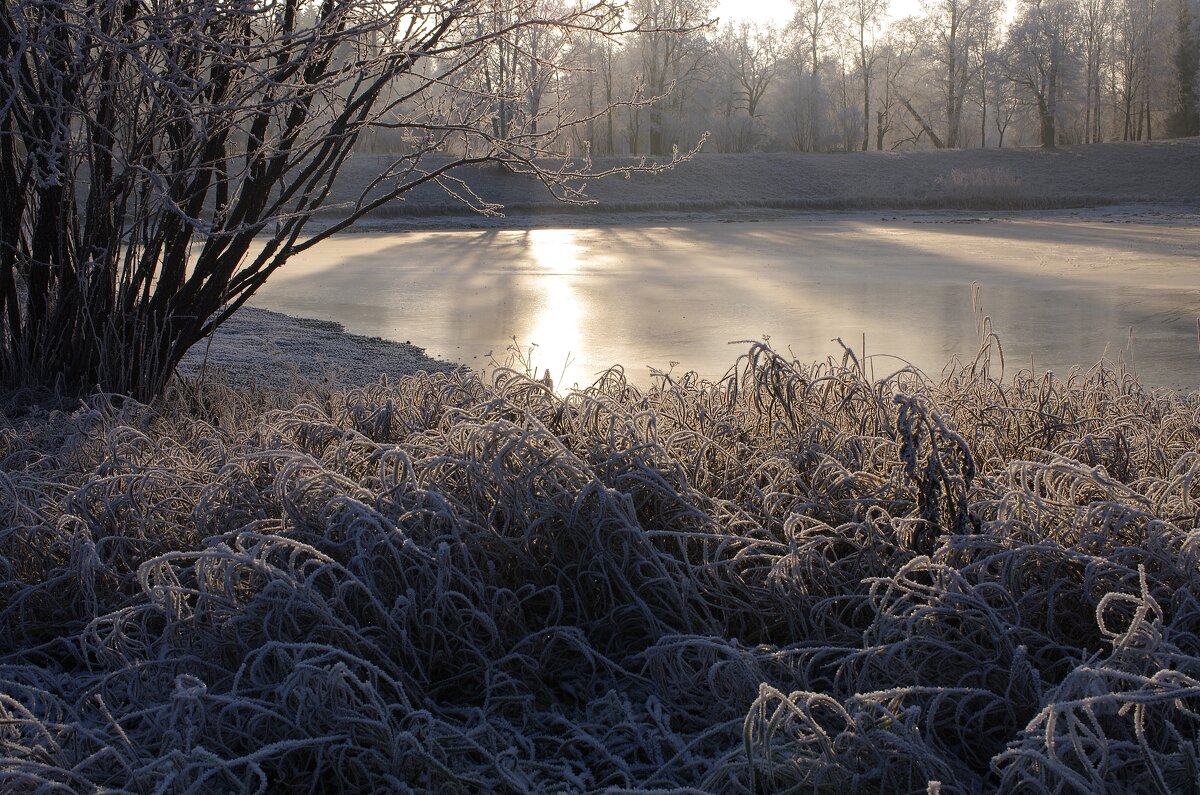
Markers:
<point>933,136</point>
<point>1047,125</point>
<point>866,141</point>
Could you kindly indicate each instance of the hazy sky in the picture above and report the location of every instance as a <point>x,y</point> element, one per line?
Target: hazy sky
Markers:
<point>780,11</point>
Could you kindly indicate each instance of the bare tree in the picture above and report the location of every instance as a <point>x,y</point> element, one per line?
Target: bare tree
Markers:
<point>600,71</point>
<point>1004,103</point>
<point>520,67</point>
<point>159,161</point>
<point>746,66</point>
<point>986,53</point>
<point>1037,59</point>
<point>914,82</point>
<point>1131,43</point>
<point>1095,22</point>
<point>673,52</point>
<point>863,19</point>
<point>953,27</point>
<point>753,58</point>
<point>732,129</point>
<point>813,22</point>
<point>899,45</point>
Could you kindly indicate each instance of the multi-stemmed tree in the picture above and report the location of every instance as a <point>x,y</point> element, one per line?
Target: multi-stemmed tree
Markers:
<point>1037,59</point>
<point>160,159</point>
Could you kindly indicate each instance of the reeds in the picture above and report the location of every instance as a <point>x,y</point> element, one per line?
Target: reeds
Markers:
<point>796,579</point>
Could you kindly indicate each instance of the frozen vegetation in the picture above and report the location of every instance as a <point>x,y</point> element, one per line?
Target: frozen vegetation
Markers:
<point>792,580</point>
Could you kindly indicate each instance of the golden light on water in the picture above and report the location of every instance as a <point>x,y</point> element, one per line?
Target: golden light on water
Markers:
<point>559,312</point>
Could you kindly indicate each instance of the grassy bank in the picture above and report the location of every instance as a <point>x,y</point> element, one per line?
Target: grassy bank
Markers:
<point>792,580</point>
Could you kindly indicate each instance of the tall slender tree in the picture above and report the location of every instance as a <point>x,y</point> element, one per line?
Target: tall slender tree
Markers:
<point>863,20</point>
<point>953,28</point>
<point>813,21</point>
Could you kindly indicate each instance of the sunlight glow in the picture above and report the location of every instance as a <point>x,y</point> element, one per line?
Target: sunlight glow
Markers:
<point>779,12</point>
<point>555,329</point>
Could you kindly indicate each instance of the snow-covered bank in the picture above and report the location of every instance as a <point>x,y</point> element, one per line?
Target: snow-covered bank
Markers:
<point>1160,172</point>
<point>269,349</point>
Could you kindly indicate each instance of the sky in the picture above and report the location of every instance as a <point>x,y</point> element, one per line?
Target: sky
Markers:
<point>780,11</point>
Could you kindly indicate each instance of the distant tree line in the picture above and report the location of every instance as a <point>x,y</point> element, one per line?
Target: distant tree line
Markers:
<point>844,75</point>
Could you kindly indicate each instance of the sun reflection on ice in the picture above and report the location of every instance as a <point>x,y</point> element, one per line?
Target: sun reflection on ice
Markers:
<point>554,323</point>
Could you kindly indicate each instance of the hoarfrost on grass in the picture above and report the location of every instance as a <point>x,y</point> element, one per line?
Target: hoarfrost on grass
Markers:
<point>794,579</point>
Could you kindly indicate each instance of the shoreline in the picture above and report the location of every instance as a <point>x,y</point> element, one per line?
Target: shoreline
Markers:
<point>597,216</point>
<point>269,348</point>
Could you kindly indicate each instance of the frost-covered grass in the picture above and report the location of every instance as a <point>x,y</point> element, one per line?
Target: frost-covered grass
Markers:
<point>977,186</point>
<point>794,580</point>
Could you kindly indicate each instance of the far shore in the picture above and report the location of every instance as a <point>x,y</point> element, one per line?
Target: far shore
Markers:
<point>758,184</point>
<point>598,215</point>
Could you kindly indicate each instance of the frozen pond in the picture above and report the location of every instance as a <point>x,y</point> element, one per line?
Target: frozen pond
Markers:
<point>1060,292</point>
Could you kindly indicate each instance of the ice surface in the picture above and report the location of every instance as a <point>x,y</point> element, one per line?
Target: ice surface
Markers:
<point>1063,291</point>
